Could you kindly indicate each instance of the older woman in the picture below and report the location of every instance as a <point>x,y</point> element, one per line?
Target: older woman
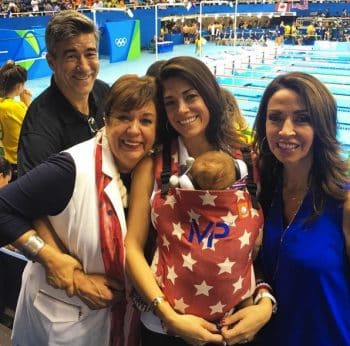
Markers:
<point>84,192</point>
<point>306,204</point>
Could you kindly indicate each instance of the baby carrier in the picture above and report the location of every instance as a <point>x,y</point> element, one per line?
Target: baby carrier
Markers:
<point>203,260</point>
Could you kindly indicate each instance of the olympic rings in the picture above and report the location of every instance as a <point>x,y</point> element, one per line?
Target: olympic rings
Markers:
<point>121,41</point>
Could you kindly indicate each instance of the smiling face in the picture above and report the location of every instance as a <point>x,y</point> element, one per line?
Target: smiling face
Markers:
<point>75,64</point>
<point>185,108</point>
<point>288,130</point>
<point>131,135</point>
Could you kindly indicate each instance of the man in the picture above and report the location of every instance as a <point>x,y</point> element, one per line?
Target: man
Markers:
<point>69,111</point>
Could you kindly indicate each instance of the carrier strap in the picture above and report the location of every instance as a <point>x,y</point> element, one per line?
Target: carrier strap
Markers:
<point>251,185</point>
<point>166,171</point>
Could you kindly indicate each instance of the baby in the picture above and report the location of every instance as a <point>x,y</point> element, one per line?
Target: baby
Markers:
<point>213,170</point>
<point>216,172</point>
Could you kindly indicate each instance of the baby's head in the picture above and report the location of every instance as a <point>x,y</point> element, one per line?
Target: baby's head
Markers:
<point>213,170</point>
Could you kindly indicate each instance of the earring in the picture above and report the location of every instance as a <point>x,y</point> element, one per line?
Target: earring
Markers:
<point>167,126</point>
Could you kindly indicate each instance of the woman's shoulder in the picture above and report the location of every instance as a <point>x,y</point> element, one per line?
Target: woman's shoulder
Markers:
<point>142,176</point>
<point>144,167</point>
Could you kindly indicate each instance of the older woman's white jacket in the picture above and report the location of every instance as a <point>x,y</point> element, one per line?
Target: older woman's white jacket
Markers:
<point>45,315</point>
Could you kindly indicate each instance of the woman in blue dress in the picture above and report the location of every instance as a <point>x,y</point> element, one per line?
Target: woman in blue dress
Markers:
<point>304,197</point>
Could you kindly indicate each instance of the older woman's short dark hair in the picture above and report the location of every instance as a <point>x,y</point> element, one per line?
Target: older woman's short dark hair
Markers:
<point>131,92</point>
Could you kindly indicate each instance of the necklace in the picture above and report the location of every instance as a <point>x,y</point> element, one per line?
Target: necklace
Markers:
<point>292,200</point>
<point>293,213</point>
<point>290,220</point>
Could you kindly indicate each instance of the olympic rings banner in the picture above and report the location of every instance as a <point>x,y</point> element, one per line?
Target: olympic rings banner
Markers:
<point>27,48</point>
<point>124,40</point>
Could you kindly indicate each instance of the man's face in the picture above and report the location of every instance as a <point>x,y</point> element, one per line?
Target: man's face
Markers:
<point>75,65</point>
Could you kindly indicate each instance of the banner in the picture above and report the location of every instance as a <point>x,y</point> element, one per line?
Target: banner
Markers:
<point>302,5</point>
<point>282,7</point>
<point>22,44</point>
<point>27,48</point>
<point>124,40</point>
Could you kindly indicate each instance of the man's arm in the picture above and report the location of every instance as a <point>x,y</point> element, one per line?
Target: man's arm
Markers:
<point>59,266</point>
<point>65,272</point>
<point>45,190</point>
<point>59,273</point>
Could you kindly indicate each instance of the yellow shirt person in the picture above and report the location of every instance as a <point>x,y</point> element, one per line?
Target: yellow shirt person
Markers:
<point>12,113</point>
<point>310,30</point>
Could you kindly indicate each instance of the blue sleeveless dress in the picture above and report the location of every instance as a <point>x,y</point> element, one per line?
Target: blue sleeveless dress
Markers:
<point>307,267</point>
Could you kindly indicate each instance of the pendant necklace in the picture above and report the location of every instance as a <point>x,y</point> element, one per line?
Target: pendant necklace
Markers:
<point>299,204</point>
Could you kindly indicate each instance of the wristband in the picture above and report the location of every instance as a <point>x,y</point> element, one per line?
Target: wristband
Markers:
<point>262,295</point>
<point>157,301</point>
<point>262,285</point>
<point>32,246</point>
<point>141,303</point>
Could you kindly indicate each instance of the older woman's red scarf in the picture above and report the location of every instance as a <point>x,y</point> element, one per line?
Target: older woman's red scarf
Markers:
<point>112,247</point>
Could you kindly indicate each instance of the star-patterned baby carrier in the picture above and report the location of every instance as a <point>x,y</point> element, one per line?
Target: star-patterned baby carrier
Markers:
<point>203,260</point>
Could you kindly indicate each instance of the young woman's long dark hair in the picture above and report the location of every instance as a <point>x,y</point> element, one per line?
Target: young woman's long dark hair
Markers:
<point>220,131</point>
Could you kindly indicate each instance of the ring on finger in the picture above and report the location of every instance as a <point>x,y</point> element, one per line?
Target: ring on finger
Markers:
<point>244,341</point>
